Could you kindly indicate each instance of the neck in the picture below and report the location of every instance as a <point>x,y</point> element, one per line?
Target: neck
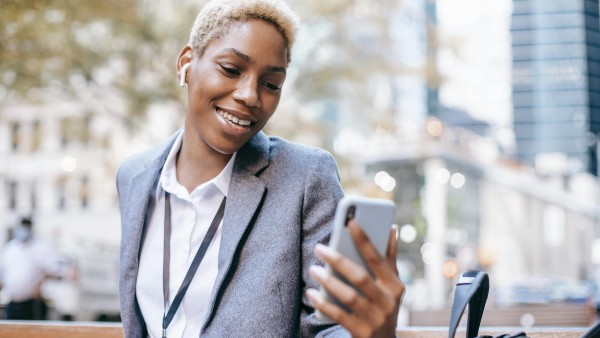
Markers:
<point>197,163</point>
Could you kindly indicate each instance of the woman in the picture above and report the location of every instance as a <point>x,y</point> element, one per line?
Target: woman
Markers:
<point>262,205</point>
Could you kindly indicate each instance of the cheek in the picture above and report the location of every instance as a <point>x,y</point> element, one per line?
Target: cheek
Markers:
<point>205,87</point>
<point>201,96</point>
<point>206,83</point>
<point>270,104</point>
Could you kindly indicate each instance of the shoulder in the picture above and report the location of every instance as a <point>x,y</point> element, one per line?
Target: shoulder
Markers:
<point>148,158</point>
<point>270,154</point>
<point>43,247</point>
<point>285,151</point>
<point>10,246</point>
<point>301,165</point>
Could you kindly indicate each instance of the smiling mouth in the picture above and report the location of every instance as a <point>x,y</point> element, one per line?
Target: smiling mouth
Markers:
<point>233,119</point>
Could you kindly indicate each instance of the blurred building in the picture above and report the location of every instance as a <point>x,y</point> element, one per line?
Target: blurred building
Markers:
<point>58,165</point>
<point>55,167</point>
<point>463,201</point>
<point>469,208</point>
<point>556,80</point>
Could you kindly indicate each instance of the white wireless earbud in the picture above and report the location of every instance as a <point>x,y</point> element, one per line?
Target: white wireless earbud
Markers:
<point>183,72</point>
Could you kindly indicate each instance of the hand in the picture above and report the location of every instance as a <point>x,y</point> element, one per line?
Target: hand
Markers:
<point>375,312</point>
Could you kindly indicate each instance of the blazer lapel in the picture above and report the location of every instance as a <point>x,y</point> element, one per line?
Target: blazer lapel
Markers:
<point>141,190</point>
<point>143,184</point>
<point>245,196</point>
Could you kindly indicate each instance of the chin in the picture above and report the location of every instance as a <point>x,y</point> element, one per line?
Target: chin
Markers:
<point>228,149</point>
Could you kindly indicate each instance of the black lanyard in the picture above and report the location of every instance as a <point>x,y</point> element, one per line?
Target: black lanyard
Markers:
<point>168,315</point>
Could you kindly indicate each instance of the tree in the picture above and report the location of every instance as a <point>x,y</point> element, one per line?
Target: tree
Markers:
<point>114,50</point>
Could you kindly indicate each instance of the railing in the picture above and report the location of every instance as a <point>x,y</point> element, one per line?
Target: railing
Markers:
<point>55,329</point>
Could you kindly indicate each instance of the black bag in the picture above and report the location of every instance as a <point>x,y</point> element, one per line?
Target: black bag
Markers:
<point>472,288</point>
<point>593,332</point>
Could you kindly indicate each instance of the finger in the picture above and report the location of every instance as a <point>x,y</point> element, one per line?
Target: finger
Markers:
<point>370,312</point>
<point>334,312</point>
<point>352,272</point>
<point>336,288</point>
<point>377,264</point>
<point>396,286</point>
<point>384,269</point>
<point>392,249</point>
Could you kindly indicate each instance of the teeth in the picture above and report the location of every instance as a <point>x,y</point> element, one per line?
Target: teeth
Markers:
<point>234,119</point>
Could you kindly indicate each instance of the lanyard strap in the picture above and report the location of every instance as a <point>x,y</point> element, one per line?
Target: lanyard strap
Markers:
<point>168,315</point>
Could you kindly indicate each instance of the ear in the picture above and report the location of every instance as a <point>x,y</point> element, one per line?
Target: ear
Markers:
<point>184,57</point>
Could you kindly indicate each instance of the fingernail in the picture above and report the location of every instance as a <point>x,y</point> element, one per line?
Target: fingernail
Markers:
<point>395,230</point>
<point>313,296</point>
<point>317,272</point>
<point>323,251</point>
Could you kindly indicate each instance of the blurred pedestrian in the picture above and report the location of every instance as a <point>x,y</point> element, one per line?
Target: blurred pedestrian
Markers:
<point>244,267</point>
<point>26,263</point>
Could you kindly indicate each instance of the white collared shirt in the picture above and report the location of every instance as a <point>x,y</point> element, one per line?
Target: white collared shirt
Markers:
<point>25,265</point>
<point>191,216</point>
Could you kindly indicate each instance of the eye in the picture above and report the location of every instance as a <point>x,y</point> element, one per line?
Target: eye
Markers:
<point>230,70</point>
<point>271,86</point>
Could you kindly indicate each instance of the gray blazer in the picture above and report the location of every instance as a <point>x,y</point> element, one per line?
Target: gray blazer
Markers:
<point>281,203</point>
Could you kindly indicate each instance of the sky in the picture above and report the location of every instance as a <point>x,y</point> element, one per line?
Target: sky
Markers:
<point>477,58</point>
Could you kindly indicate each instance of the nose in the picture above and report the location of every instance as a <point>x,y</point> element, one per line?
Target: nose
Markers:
<point>247,93</point>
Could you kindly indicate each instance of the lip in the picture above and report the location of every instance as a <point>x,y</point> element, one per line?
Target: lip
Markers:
<point>232,129</point>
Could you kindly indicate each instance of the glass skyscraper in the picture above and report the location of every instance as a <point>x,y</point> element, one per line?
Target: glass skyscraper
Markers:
<point>556,80</point>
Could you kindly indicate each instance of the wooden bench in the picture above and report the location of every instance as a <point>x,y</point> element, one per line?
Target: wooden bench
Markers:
<point>565,315</point>
<point>55,329</point>
<point>537,332</point>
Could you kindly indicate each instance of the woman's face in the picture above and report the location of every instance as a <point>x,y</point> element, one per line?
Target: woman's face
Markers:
<point>235,86</point>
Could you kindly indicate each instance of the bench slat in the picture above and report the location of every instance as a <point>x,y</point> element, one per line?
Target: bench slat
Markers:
<point>55,329</point>
<point>32,329</point>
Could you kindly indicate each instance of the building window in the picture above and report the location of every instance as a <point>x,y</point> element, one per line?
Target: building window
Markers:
<point>12,195</point>
<point>75,130</point>
<point>85,130</point>
<point>84,192</point>
<point>61,192</point>
<point>15,136</point>
<point>33,196</point>
<point>36,136</point>
<point>64,132</point>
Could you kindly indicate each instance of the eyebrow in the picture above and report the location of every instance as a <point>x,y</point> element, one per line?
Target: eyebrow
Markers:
<point>247,58</point>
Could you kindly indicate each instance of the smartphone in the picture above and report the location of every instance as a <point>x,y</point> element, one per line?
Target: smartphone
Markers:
<point>375,217</point>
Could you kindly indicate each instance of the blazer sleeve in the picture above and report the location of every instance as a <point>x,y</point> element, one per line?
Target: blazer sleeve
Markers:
<point>133,326</point>
<point>321,196</point>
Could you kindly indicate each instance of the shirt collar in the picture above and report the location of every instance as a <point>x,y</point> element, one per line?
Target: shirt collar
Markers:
<point>168,177</point>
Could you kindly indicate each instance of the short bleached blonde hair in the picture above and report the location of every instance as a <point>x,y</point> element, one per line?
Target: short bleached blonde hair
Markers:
<point>216,17</point>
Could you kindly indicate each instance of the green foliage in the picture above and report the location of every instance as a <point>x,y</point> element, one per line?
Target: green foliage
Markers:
<point>71,48</point>
<point>123,53</point>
